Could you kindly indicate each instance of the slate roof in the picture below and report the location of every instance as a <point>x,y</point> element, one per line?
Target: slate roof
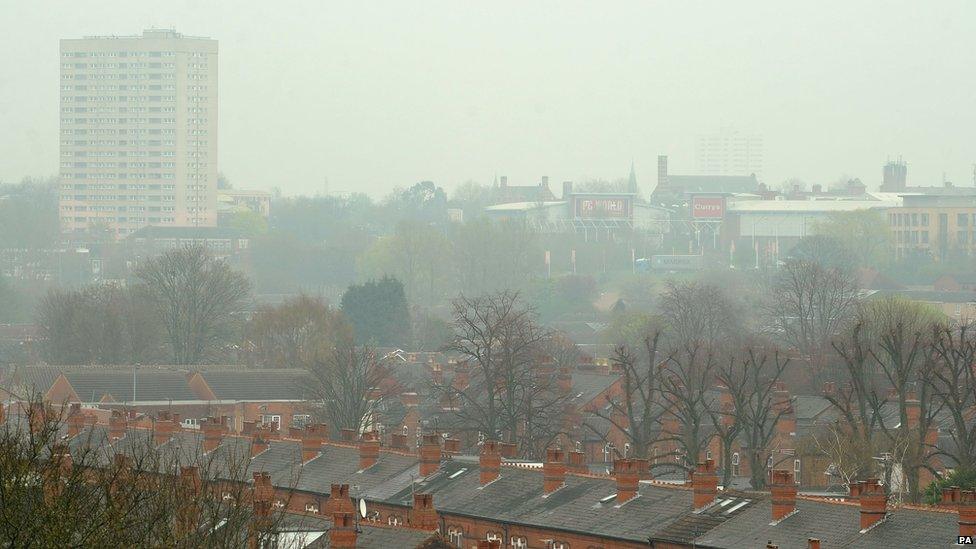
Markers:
<point>369,536</point>
<point>340,465</point>
<point>588,386</point>
<point>92,385</point>
<point>836,525</point>
<point>517,497</point>
<point>260,384</point>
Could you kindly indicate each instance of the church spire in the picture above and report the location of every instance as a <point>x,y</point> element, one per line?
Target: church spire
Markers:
<point>632,180</point>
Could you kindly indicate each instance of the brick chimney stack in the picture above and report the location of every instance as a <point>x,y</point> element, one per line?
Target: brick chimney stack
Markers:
<point>116,425</point>
<point>490,461</point>
<point>259,443</point>
<point>424,516</point>
<point>342,535</point>
<point>783,490</point>
<point>164,427</point>
<point>813,543</point>
<point>965,503</point>
<point>312,439</point>
<point>577,462</point>
<point>704,483</point>
<point>263,490</point>
<point>213,433</point>
<point>369,450</point>
<point>913,411</point>
<point>55,478</point>
<point>873,502</point>
<point>76,421</point>
<point>627,473</point>
<point>452,446</point>
<point>260,521</point>
<point>430,454</point>
<point>188,516</point>
<point>507,450</point>
<point>338,500</point>
<point>398,441</point>
<point>553,470</point>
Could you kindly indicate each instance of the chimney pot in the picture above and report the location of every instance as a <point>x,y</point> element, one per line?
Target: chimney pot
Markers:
<point>813,543</point>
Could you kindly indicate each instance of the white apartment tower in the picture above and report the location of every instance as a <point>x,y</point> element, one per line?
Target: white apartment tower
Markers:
<point>138,131</point>
<point>728,152</point>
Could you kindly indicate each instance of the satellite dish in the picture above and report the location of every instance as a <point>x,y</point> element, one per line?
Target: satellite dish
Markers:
<point>362,507</point>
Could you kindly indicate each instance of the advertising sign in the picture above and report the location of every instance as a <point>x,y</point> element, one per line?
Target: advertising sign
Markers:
<point>707,207</point>
<point>676,262</point>
<point>603,207</point>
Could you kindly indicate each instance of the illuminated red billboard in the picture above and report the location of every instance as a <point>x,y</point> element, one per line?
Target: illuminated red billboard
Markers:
<point>707,207</point>
<point>615,207</point>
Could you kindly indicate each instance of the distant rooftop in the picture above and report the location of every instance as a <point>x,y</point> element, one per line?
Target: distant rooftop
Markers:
<point>148,33</point>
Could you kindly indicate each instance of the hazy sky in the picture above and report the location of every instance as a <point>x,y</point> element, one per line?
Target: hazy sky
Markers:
<point>376,94</point>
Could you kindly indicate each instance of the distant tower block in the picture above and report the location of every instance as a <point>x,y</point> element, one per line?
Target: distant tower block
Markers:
<point>895,176</point>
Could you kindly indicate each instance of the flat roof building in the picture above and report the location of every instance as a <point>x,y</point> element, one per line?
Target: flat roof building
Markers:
<point>138,134</point>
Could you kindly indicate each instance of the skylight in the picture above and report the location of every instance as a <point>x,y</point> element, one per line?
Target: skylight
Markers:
<point>458,473</point>
<point>736,507</point>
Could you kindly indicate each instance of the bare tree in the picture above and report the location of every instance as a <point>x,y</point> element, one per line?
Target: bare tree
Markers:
<point>811,303</point>
<point>901,333</point>
<point>954,383</point>
<point>688,377</point>
<point>294,334</point>
<point>195,296</point>
<point>81,492</point>
<point>347,380</point>
<point>752,381</point>
<point>696,311</point>
<point>637,411</point>
<point>508,398</point>
<point>104,324</point>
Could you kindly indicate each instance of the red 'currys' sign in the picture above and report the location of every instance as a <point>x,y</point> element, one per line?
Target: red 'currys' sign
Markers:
<point>707,207</point>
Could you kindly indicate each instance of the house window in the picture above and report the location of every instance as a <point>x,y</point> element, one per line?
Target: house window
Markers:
<point>278,504</point>
<point>708,454</point>
<point>300,420</point>
<point>394,520</point>
<point>311,508</point>
<point>735,464</point>
<point>519,542</point>
<point>456,535</point>
<point>492,536</point>
<point>269,419</point>
<point>796,469</point>
<point>226,496</point>
<point>560,545</point>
